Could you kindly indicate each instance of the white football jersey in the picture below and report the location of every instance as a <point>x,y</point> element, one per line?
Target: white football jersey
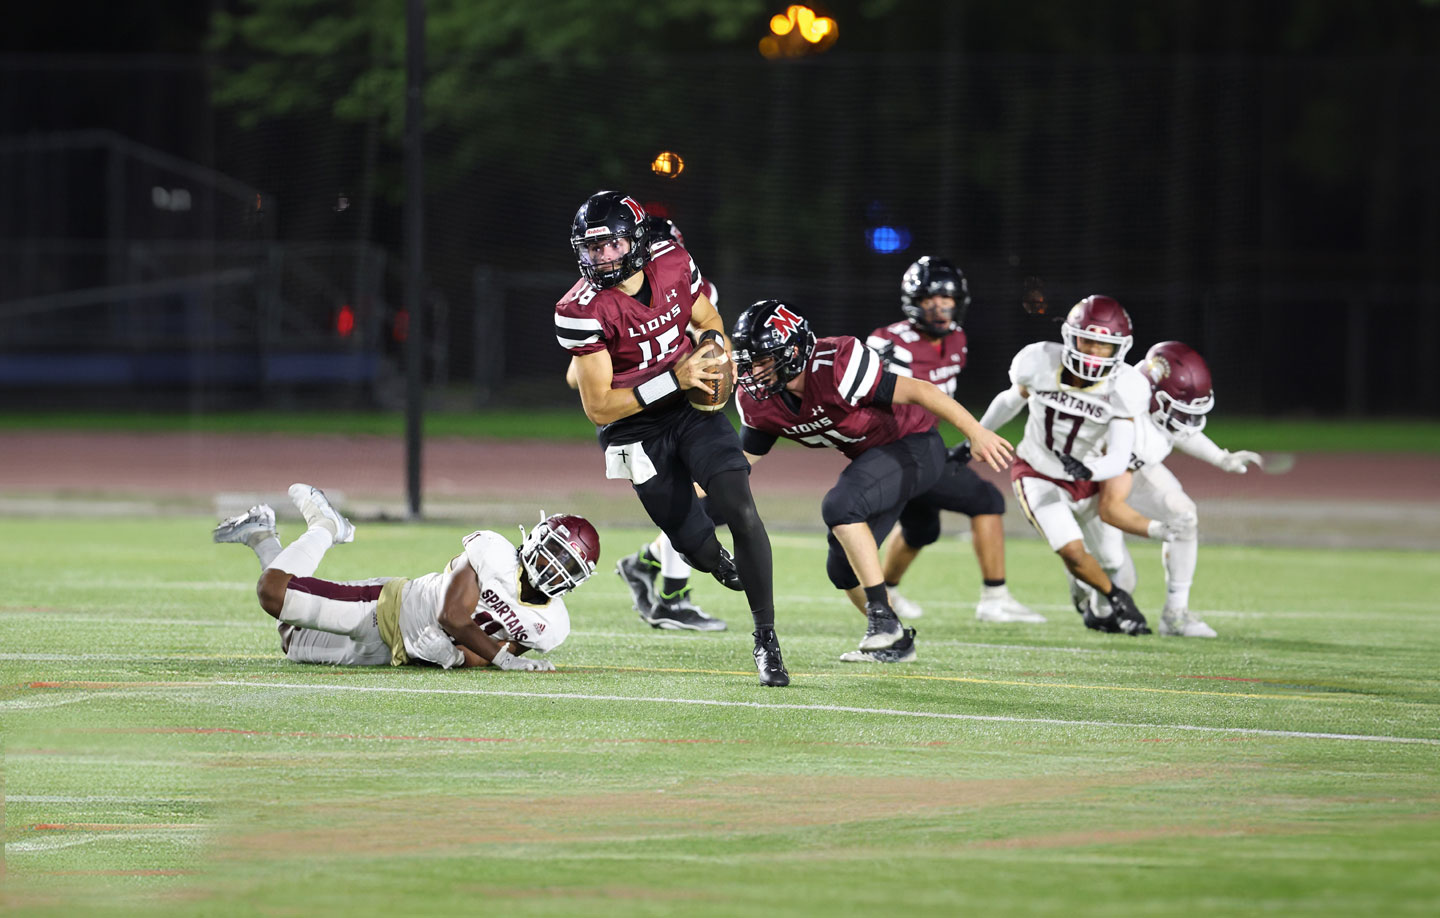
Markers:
<point>1071,419</point>
<point>1153,443</point>
<point>500,611</point>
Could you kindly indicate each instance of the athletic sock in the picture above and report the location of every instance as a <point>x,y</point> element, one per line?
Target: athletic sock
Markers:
<point>672,587</point>
<point>994,591</point>
<point>303,556</point>
<point>877,593</point>
<point>764,618</point>
<point>995,583</point>
<point>266,546</point>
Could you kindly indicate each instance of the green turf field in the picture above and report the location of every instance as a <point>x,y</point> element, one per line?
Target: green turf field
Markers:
<point>569,424</point>
<point>162,759</point>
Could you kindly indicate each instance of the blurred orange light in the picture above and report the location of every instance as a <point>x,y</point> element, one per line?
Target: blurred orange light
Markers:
<point>769,47</point>
<point>780,25</point>
<point>667,165</point>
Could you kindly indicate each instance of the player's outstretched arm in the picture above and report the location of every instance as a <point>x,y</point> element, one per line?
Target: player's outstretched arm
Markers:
<point>462,592</point>
<point>1004,407</point>
<point>1202,447</point>
<point>1119,442</point>
<point>987,445</point>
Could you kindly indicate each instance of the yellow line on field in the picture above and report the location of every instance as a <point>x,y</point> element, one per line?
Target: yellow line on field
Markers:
<point>968,679</point>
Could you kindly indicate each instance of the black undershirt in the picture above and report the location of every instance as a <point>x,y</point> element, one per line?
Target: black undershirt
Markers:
<point>643,294</point>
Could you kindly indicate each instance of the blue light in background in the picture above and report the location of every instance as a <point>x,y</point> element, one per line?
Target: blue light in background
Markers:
<point>887,240</point>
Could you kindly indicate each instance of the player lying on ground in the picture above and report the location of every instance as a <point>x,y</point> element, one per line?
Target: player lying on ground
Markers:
<point>1082,399</point>
<point>624,323</point>
<point>832,392</point>
<point>659,576</point>
<point>930,344</point>
<point>1181,398</point>
<point>490,604</point>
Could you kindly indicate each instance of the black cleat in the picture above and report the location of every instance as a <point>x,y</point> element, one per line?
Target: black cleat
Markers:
<point>1127,617</point>
<point>882,627</point>
<point>727,573</point>
<point>767,659</point>
<point>640,571</point>
<point>678,613</point>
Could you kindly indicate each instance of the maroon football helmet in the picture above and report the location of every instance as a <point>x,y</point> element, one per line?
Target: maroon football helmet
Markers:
<point>560,553</point>
<point>1181,394</point>
<point>1096,318</point>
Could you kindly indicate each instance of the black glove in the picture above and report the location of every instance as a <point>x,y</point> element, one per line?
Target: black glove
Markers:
<point>1074,467</point>
<point>960,453</point>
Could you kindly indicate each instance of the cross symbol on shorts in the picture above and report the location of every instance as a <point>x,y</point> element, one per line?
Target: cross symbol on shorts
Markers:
<point>624,456</point>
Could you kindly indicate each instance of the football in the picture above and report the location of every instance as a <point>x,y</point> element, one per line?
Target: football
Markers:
<point>724,386</point>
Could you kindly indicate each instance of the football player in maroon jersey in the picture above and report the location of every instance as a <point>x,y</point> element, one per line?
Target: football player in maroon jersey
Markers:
<point>658,576</point>
<point>624,322</point>
<point>930,344</point>
<point>833,392</point>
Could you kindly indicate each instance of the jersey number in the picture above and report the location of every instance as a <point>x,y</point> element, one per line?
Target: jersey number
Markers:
<point>830,438</point>
<point>487,623</point>
<point>665,340</point>
<point>1050,417</point>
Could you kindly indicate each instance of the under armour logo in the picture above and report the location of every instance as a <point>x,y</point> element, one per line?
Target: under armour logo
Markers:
<point>671,294</point>
<point>817,410</point>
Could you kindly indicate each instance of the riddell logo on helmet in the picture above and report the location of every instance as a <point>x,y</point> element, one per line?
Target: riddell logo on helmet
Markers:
<point>784,321</point>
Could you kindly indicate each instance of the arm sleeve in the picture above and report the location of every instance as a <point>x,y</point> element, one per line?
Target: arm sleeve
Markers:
<point>1003,409</point>
<point>884,394</point>
<point>1119,441</point>
<point>756,442</point>
<point>1201,447</point>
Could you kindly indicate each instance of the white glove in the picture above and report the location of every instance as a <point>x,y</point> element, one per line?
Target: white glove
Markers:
<point>1235,462</point>
<point>435,645</point>
<point>513,664</point>
<point>1180,530</point>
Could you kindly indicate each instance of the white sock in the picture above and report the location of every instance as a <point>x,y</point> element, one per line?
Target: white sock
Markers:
<point>671,564</point>
<point>335,616</point>
<point>266,546</point>
<point>1180,559</point>
<point>994,592</point>
<point>302,557</point>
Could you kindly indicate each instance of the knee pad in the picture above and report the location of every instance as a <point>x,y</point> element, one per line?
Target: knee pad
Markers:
<point>991,502</point>
<point>837,568</point>
<point>840,507</point>
<point>921,532</point>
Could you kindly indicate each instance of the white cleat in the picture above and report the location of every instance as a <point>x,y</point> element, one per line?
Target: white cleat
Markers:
<point>258,519</point>
<point>902,651</point>
<point>315,507</point>
<point>1006,609</point>
<point>1181,623</point>
<point>905,608</point>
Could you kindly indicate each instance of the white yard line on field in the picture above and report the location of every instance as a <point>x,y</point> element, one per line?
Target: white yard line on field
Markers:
<point>829,708</point>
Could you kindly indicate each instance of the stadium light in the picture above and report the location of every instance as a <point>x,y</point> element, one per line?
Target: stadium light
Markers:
<point>798,31</point>
<point>667,165</point>
<point>887,240</point>
<point>345,321</point>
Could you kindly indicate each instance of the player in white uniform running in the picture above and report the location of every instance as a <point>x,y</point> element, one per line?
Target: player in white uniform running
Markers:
<point>1182,396</point>
<point>491,604</point>
<point>1082,399</point>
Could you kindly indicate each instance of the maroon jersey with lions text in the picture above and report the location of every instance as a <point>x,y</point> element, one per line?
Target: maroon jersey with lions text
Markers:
<point>643,341</point>
<point>837,408</point>
<point>915,355</point>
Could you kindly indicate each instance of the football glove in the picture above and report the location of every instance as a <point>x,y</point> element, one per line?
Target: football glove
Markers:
<point>1179,530</point>
<point>513,664</point>
<point>960,453</point>
<point>1235,462</point>
<point>1074,467</point>
<point>435,645</point>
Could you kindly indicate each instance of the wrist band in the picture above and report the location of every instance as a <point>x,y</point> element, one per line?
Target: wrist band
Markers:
<point>652,390</point>
<point>502,656</point>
